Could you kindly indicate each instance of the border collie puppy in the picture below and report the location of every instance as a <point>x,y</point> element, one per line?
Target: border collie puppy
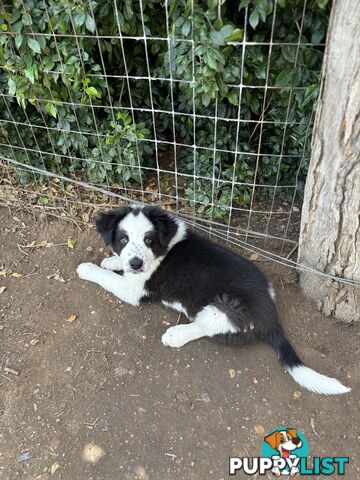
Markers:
<point>224,295</point>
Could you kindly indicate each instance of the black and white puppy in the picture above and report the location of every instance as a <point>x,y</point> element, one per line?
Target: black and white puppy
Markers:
<point>224,295</point>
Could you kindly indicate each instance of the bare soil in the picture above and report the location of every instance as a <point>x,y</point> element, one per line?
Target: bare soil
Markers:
<point>155,413</point>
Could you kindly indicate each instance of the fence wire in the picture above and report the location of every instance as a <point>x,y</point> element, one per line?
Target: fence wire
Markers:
<point>139,142</point>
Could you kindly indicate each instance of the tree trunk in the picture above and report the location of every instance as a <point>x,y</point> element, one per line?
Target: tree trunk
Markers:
<point>330,233</point>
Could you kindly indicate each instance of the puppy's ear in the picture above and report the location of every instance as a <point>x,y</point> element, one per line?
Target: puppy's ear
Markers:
<point>272,440</point>
<point>165,225</point>
<point>106,223</point>
<point>292,432</point>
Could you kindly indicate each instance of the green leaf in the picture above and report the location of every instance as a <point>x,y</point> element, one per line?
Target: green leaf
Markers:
<point>92,91</point>
<point>264,8</point>
<point>79,19</point>
<point>41,41</point>
<point>104,10</point>
<point>311,94</point>
<point>226,31</point>
<point>206,99</point>
<point>246,197</point>
<point>71,243</point>
<point>317,36</point>
<point>260,71</point>
<point>51,108</point>
<point>34,45</point>
<point>185,29</point>
<point>15,16</point>
<point>217,38</point>
<point>12,86</point>
<point>48,64</point>
<point>284,79</point>
<point>289,52</point>
<point>212,4</point>
<point>254,19</point>
<point>18,41</point>
<point>233,98</point>
<point>322,3</point>
<point>30,73</point>
<point>17,27</point>
<point>236,35</point>
<point>72,60</point>
<point>90,23</point>
<point>244,3</point>
<point>210,60</point>
<point>218,24</point>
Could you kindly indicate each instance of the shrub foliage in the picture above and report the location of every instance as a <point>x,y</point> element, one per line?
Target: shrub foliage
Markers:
<point>58,76</point>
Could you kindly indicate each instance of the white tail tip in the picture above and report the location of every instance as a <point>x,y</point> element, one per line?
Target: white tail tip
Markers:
<point>316,382</point>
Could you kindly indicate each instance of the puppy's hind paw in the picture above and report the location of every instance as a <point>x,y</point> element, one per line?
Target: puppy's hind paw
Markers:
<point>87,271</point>
<point>176,336</point>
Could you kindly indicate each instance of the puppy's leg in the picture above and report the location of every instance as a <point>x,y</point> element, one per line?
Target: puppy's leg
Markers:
<point>110,281</point>
<point>276,470</point>
<point>294,470</point>
<point>208,322</point>
<point>112,263</point>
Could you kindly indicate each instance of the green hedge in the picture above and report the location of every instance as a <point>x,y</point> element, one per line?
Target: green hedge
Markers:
<point>43,75</point>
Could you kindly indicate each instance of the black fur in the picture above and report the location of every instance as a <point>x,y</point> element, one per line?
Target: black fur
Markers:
<point>107,222</point>
<point>165,228</point>
<point>197,272</point>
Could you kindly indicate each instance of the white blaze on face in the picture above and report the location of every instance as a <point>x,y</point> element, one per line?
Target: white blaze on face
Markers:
<point>136,227</point>
<point>289,445</point>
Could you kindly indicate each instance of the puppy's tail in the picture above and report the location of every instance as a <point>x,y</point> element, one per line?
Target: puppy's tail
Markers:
<point>303,375</point>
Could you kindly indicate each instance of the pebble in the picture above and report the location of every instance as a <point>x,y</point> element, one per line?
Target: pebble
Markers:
<point>140,473</point>
<point>24,457</point>
<point>92,453</point>
<point>205,397</point>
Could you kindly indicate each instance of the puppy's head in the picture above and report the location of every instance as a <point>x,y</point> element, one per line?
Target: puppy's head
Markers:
<point>284,441</point>
<point>139,235</point>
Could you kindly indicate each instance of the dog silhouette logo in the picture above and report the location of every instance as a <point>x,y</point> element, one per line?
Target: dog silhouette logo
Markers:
<point>288,444</point>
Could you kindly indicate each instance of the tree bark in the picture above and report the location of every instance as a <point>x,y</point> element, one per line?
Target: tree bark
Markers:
<point>330,233</point>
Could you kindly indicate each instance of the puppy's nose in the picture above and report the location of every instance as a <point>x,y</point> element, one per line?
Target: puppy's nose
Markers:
<point>296,441</point>
<point>136,263</point>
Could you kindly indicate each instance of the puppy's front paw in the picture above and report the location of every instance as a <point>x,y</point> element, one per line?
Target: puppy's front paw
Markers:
<point>112,263</point>
<point>87,271</point>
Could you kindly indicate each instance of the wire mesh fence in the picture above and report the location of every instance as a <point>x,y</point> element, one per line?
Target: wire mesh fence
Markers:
<point>205,108</point>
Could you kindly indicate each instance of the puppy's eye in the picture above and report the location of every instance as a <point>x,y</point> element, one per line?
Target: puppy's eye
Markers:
<point>282,439</point>
<point>123,240</point>
<point>148,241</point>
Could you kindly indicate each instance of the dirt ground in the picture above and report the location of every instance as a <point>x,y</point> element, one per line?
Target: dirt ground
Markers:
<point>153,412</point>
